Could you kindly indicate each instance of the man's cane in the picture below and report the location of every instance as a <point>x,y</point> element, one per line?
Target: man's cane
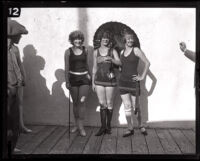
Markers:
<point>137,102</point>
<point>69,113</point>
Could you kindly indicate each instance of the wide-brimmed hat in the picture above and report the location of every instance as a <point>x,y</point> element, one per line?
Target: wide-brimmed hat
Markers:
<point>15,28</point>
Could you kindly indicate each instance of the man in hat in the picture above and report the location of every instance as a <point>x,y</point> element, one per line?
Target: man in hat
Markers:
<point>16,81</point>
<point>192,56</point>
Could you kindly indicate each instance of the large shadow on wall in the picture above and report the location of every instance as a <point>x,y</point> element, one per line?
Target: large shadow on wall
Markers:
<point>92,101</point>
<point>40,106</point>
<point>60,101</point>
<point>36,93</point>
<point>145,93</point>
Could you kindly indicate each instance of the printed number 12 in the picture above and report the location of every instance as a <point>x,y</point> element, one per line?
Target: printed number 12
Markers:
<point>14,12</point>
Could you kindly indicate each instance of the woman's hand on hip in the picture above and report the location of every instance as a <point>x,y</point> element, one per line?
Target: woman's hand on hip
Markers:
<point>137,78</point>
<point>88,76</point>
<point>93,87</point>
<point>67,84</point>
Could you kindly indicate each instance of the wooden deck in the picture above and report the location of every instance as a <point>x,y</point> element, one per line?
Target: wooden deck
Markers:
<point>56,140</point>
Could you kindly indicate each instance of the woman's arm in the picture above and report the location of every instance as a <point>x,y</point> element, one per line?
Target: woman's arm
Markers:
<point>188,53</point>
<point>87,65</point>
<point>116,59</point>
<point>94,69</point>
<point>142,56</point>
<point>67,53</point>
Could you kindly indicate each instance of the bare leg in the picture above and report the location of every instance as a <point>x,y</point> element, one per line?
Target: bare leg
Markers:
<point>109,96</point>
<point>74,94</point>
<point>83,93</point>
<point>126,99</point>
<point>136,106</point>
<point>139,116</point>
<point>13,118</point>
<point>133,102</point>
<point>101,94</point>
<point>21,116</point>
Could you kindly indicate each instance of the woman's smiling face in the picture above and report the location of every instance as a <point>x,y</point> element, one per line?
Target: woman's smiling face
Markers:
<point>78,42</point>
<point>105,41</point>
<point>129,40</point>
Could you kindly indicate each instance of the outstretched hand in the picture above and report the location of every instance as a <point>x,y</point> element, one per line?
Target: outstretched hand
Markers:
<point>182,46</point>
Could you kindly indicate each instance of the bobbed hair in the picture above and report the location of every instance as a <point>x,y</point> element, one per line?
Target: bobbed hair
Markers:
<point>128,32</point>
<point>107,34</point>
<point>77,34</point>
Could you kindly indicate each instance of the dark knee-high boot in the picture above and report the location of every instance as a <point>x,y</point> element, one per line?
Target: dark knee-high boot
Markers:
<point>109,118</point>
<point>102,129</point>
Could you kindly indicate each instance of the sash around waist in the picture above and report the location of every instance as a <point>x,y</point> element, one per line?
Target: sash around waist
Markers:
<point>78,73</point>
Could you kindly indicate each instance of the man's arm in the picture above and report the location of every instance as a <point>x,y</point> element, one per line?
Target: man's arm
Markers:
<point>21,66</point>
<point>188,53</point>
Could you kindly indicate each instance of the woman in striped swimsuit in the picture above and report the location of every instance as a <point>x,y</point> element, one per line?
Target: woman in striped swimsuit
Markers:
<point>104,80</point>
<point>77,78</point>
<point>129,78</point>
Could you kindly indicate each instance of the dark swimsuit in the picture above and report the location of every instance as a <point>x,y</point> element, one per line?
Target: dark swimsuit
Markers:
<point>104,69</point>
<point>78,63</point>
<point>129,68</point>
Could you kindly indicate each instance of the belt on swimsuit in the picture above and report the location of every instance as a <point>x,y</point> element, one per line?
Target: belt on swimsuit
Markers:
<point>78,73</point>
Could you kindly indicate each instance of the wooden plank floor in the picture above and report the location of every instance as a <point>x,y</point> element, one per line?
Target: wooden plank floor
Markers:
<point>56,140</point>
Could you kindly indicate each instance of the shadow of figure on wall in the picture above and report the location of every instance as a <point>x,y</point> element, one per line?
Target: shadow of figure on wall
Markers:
<point>142,100</point>
<point>60,102</point>
<point>57,91</point>
<point>36,93</point>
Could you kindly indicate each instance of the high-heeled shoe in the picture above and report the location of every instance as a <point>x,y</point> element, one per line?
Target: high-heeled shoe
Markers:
<point>128,132</point>
<point>81,127</point>
<point>82,132</point>
<point>74,129</point>
<point>103,127</point>
<point>16,150</point>
<point>26,130</point>
<point>101,131</point>
<point>143,130</point>
<point>136,110</point>
<point>108,130</point>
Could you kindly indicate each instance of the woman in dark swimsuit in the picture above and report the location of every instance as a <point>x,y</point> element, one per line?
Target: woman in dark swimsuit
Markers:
<point>77,78</point>
<point>104,80</point>
<point>129,79</point>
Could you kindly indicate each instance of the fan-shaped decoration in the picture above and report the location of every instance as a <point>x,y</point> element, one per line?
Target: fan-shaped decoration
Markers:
<point>117,29</point>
